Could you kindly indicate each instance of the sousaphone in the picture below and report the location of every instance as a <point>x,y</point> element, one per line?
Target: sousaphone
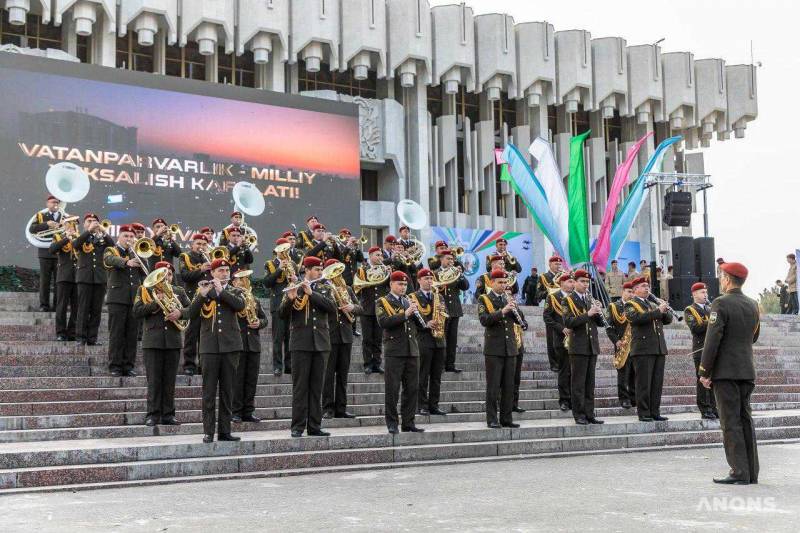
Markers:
<point>67,182</point>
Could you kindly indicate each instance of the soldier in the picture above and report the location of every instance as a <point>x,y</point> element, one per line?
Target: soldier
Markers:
<point>434,262</point>
<point>236,223</point>
<point>388,249</point>
<point>530,287</point>
<point>48,218</point>
<point>582,315</point>
<point>484,282</point>
<point>161,346</point>
<point>245,380</point>
<point>125,275</point>
<point>138,230</point>
<point>431,345</point>
<point>500,350</point>
<point>618,325</point>
<point>614,281</point>
<point>631,273</point>
<point>323,246</point>
<point>727,365</point>
<point>510,263</point>
<point>66,291</point>
<point>696,318</point>
<point>452,299</point>
<point>648,349</point>
<point>557,332</point>
<point>371,344</point>
<point>194,268</point>
<point>91,278</point>
<point>400,320</point>
<point>310,345</point>
<point>166,248</point>
<point>215,305</point>
<point>279,275</point>
<point>241,258</point>
<point>334,390</point>
<point>405,236</point>
<point>208,232</point>
<point>548,283</point>
<point>306,237</point>
<point>295,253</point>
<point>352,256</point>
<point>791,281</point>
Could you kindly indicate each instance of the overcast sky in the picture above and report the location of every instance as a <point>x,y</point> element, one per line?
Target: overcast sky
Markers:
<point>754,203</point>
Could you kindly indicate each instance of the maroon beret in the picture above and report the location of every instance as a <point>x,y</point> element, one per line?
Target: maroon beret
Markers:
<point>281,241</point>
<point>498,274</point>
<point>138,226</point>
<point>206,229</point>
<point>51,197</point>
<point>159,221</point>
<point>399,275</point>
<point>639,281</point>
<point>564,277</point>
<point>581,274</point>
<point>330,262</point>
<point>554,259</point>
<point>425,272</point>
<point>401,228</point>
<point>446,252</point>
<point>236,214</point>
<point>309,218</point>
<point>501,239</point>
<point>495,257</point>
<point>373,249</point>
<point>199,237</point>
<point>234,229</point>
<point>287,234</point>
<point>439,243</point>
<point>698,286</point>
<point>317,226</point>
<point>218,263</point>
<point>627,285</point>
<point>165,264</point>
<point>345,230</point>
<point>126,228</point>
<point>311,261</point>
<point>90,215</point>
<point>390,238</point>
<point>735,269</point>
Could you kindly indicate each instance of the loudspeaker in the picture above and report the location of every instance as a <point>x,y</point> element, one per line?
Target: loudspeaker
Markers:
<point>680,292</point>
<point>678,208</point>
<point>705,263</point>
<point>683,262</point>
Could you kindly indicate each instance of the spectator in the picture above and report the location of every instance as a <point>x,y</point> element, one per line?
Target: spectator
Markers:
<point>791,281</point>
<point>530,287</point>
<point>614,280</point>
<point>782,290</point>
<point>631,273</point>
<point>719,262</point>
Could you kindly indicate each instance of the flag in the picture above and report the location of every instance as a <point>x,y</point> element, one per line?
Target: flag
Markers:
<point>576,192</point>
<point>549,176</point>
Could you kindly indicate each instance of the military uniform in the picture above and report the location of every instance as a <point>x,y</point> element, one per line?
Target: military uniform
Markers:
<point>614,281</point>
<point>276,280</point>
<point>452,299</point>
<point>305,240</point>
<point>224,236</point>
<point>334,390</point>
<point>553,316</point>
<point>91,279</point>
<point>323,251</point>
<point>500,351</point>
<point>246,379</point>
<point>351,259</point>
<point>696,318</point>
<point>241,258</point>
<point>402,359</point>
<point>123,326</point>
<point>48,262</point>
<point>220,345</point>
<point>190,272</point>
<point>309,344</point>
<point>410,270</point>
<point>484,282</point>
<point>370,330</point>
<point>165,250</point>
<point>733,327</point>
<point>510,263</point>
<point>584,348</point>
<point>161,345</point>
<point>547,284</point>
<point>431,352</point>
<point>617,325</point>
<point>66,290</point>
<point>648,352</point>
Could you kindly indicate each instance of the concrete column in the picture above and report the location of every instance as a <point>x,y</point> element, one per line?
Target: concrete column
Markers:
<point>415,109</point>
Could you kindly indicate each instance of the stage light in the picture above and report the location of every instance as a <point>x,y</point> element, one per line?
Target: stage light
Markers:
<point>146,28</point>
<point>17,11</point>
<point>206,38</point>
<point>84,14</point>
<point>261,47</point>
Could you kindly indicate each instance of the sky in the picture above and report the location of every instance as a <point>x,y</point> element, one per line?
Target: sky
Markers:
<point>753,205</point>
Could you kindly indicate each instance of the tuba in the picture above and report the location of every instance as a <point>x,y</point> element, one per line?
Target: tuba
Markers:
<point>333,273</point>
<point>250,312</point>
<point>156,281</point>
<point>282,253</point>
<point>67,182</point>
<point>375,275</point>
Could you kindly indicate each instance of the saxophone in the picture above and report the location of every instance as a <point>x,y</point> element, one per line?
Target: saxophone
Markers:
<point>621,355</point>
<point>438,316</point>
<point>333,273</point>
<point>250,311</point>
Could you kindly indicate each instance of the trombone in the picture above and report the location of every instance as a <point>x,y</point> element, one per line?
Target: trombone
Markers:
<point>143,248</point>
<point>60,228</point>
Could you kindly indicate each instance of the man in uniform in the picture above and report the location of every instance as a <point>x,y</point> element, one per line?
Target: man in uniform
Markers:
<point>499,349</point>
<point>530,287</point>
<point>452,299</point>
<point>618,325</point>
<point>241,258</point>
<point>236,223</point>
<point>371,343</point>
<point>484,282</point>
<point>614,281</point>
<point>245,381</point>
<point>400,319</point>
<point>208,232</point>
<point>44,220</point>
<point>334,390</point>
<point>321,246</point>
<point>632,273</point>
<point>791,281</point>
<point>405,236</point>
<point>352,256</point>
<point>548,283</point>
<point>66,291</point>
<point>557,331</point>
<point>305,241</point>
<point>696,318</point>
<point>582,315</point>
<point>648,349</point>
<point>434,262</point>
<point>166,248</point>
<point>194,268</point>
<point>727,365</point>
<point>388,249</point>
<point>402,262</point>
<point>510,263</point>
<point>215,305</point>
<point>91,278</point>
<point>161,347</point>
<point>431,347</point>
<point>276,280</point>
<point>308,308</point>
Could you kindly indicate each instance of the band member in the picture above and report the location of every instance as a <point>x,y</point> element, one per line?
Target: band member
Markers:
<point>307,306</point>
<point>520,358</point>
<point>648,348</point>
<point>236,223</point>
<point>434,263</point>
<point>241,258</point>
<point>500,350</point>
<point>323,246</point>
<point>161,346</point>
<point>547,284</point>
<point>215,305</point>
<point>278,277</point>
<point>582,315</point>
<point>91,278</point>
<point>452,298</point>
<point>125,275</point>
<point>402,262</point>
<point>245,380</point>
<point>195,267</point>
<point>294,252</point>
<point>166,248</point>
<point>305,240</point>
<point>371,343</point>
<point>617,327</point>
<point>557,332</point>
<point>483,283</point>
<point>510,263</point>
<point>431,344</point>
<point>352,256</point>
<point>615,278</point>
<point>66,291</point>
<point>48,262</point>
<point>334,390</point>
<point>400,319</point>
<point>388,248</point>
<point>405,236</point>
<point>727,366</point>
<point>696,318</point>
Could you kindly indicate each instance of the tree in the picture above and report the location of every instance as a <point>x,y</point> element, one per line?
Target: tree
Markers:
<point>769,302</point>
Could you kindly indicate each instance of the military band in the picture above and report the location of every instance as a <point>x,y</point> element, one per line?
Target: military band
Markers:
<point>557,331</point>
<point>91,278</point>
<point>451,292</point>
<point>619,334</point>
<point>167,248</point>
<point>194,267</point>
<point>368,293</point>
<point>696,318</point>
<point>47,219</point>
<point>252,319</point>
<point>431,342</point>
<point>280,272</point>
<point>66,289</point>
<point>548,283</point>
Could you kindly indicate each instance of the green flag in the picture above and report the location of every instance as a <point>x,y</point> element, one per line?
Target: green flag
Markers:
<point>576,197</point>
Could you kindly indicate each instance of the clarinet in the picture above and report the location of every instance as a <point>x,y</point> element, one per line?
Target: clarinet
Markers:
<point>604,324</point>
<point>521,321</point>
<point>658,301</point>
<point>416,313</point>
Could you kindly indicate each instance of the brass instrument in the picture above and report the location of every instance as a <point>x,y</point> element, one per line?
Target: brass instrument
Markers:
<point>415,252</point>
<point>511,279</point>
<point>252,240</point>
<point>220,252</point>
<point>156,282</point>
<point>438,315</point>
<point>49,233</point>
<point>106,225</point>
<point>341,295</point>
<point>362,240</point>
<point>446,277</point>
<point>508,257</point>
<point>375,275</point>
<point>174,231</point>
<point>250,311</point>
<point>143,249</point>
<point>457,251</point>
<point>621,355</point>
<point>282,252</point>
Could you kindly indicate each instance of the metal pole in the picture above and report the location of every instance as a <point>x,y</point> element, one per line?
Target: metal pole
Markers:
<point>705,214</point>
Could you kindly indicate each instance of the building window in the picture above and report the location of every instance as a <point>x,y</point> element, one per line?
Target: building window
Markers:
<point>613,129</point>
<point>482,203</point>
<point>185,62</point>
<point>435,104</point>
<point>468,105</point>
<point>133,56</point>
<point>341,82</point>
<point>504,111</point>
<point>369,185</point>
<point>236,70</point>
<point>552,121</point>
<point>520,210</point>
<point>33,34</point>
<point>463,204</point>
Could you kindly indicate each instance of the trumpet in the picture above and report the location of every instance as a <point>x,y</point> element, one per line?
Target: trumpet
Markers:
<point>658,301</point>
<point>173,231</point>
<point>457,251</point>
<point>204,252</point>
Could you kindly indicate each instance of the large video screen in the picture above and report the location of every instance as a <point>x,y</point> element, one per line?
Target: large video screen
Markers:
<point>156,146</point>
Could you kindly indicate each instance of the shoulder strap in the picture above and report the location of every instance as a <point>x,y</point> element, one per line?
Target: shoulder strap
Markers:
<point>573,307</point>
<point>271,266</point>
<point>487,303</point>
<point>554,303</point>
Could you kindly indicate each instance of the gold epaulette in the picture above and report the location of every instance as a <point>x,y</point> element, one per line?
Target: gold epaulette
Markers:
<point>386,305</point>
<point>636,306</point>
<point>618,318</point>
<point>556,305</point>
<point>487,302</point>
<point>573,307</point>
<point>694,312</point>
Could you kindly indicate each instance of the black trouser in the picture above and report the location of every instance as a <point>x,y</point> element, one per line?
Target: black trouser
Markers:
<point>334,391</point>
<point>401,371</point>
<point>451,342</point>
<point>499,384</point>
<point>582,369</point>
<point>431,366</point>
<point>308,373</point>
<point>371,341</point>
<point>191,342</point>
<point>66,298</point>
<point>518,376</point>
<point>649,371</point>
<point>281,358</point>
<point>738,431</point>
<point>245,383</point>
<point>161,367</point>
<point>90,307</point>
<point>792,309</point>
<point>218,369</point>
<point>564,375</point>
<point>705,397</point>
<point>552,357</point>
<point>123,328</point>
<point>626,383</point>
<point>47,277</point>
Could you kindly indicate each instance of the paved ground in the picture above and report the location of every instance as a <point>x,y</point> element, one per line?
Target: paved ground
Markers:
<point>651,491</point>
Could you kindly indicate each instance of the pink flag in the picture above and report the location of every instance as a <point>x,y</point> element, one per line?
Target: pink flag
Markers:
<point>498,156</point>
<point>603,246</point>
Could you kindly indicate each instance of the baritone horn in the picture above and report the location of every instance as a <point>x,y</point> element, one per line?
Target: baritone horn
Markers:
<point>220,252</point>
<point>143,248</point>
<point>156,281</point>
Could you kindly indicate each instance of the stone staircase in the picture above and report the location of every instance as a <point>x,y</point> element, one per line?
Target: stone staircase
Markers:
<point>65,423</point>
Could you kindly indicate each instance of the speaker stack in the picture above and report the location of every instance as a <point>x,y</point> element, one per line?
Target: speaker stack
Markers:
<point>692,261</point>
<point>678,208</point>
